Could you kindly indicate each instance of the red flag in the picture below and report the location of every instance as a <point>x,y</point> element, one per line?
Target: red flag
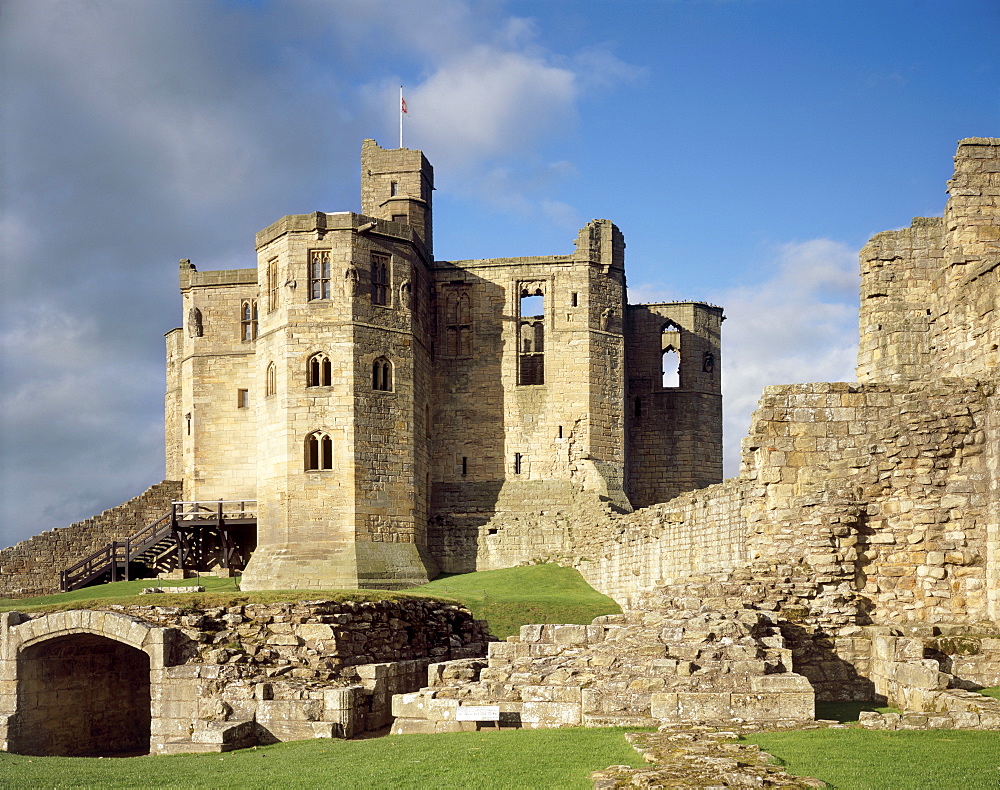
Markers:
<point>402,105</point>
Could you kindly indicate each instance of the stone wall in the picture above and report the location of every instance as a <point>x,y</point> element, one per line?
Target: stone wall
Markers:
<point>673,659</point>
<point>217,678</point>
<point>32,566</point>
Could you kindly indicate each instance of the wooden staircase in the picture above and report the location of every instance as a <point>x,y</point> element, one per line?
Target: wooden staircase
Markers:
<point>190,536</point>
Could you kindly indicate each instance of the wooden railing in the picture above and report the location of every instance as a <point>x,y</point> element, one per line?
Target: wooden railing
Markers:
<point>180,529</point>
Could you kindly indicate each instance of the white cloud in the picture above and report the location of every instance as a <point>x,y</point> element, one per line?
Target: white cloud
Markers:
<point>798,325</point>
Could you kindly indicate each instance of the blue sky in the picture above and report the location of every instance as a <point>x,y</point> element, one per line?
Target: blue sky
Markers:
<point>746,148</point>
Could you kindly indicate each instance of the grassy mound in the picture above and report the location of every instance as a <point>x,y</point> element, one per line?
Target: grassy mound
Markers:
<point>512,597</point>
<point>218,592</point>
<point>507,598</point>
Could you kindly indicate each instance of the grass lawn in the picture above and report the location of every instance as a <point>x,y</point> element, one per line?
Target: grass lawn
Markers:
<point>856,759</point>
<point>507,598</point>
<point>508,759</point>
<point>512,597</point>
<point>991,692</point>
<point>218,592</point>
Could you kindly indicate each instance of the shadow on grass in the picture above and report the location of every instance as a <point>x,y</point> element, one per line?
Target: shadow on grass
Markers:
<point>846,712</point>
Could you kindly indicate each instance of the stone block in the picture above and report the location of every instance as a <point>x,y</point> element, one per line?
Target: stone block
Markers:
<point>418,705</point>
<point>663,705</point>
<point>551,694</point>
<point>787,681</point>
<point>703,706</point>
<point>551,714</point>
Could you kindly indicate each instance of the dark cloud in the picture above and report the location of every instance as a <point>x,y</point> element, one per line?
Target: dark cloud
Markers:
<point>136,133</point>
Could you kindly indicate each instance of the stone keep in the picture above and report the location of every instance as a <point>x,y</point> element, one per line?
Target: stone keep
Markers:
<point>385,408</point>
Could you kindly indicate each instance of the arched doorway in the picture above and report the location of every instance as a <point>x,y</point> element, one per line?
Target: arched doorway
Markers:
<point>82,695</point>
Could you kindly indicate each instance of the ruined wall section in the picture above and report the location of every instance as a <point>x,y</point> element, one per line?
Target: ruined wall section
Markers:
<point>929,292</point>
<point>506,429</point>
<point>32,566</point>
<point>674,425</point>
<point>900,279</point>
<point>968,336</point>
<point>879,488</point>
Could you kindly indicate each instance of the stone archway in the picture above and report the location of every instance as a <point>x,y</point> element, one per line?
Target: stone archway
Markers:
<point>83,695</point>
<point>79,683</point>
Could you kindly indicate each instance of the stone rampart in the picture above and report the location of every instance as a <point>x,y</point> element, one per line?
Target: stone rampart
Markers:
<point>32,566</point>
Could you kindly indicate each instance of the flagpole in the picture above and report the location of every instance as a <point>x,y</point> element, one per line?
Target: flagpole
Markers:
<point>400,116</point>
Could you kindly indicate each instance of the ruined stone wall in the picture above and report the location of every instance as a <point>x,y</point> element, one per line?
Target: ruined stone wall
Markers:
<point>217,677</point>
<point>674,425</point>
<point>929,292</point>
<point>32,566</point>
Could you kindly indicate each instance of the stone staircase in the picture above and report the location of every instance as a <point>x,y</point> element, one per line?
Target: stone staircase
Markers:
<point>699,656</point>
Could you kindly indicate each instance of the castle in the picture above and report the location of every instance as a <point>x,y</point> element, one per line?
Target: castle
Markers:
<point>384,408</point>
<point>856,556</point>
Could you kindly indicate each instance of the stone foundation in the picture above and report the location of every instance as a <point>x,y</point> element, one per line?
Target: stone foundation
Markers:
<point>138,679</point>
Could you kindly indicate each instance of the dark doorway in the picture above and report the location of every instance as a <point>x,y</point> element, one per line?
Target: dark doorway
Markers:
<point>82,695</point>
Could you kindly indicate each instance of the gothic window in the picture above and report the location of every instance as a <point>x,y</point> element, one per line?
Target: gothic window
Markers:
<point>531,336</point>
<point>670,355</point>
<point>382,375</point>
<point>458,324</point>
<point>270,380</point>
<point>319,371</point>
<point>319,274</point>
<point>248,320</point>
<point>272,285</point>
<point>380,278</point>
<point>671,367</point>
<point>319,451</point>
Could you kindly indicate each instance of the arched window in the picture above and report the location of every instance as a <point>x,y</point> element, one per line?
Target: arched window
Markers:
<point>319,372</point>
<point>382,375</point>
<point>248,320</point>
<point>270,380</point>
<point>319,451</point>
<point>671,367</point>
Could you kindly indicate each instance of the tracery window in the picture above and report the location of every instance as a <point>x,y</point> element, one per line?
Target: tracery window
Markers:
<point>670,355</point>
<point>380,278</point>
<point>458,324</point>
<point>319,274</point>
<point>382,375</point>
<point>319,371</point>
<point>318,451</point>
<point>248,320</point>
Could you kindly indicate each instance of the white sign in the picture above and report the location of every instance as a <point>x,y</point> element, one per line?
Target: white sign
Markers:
<point>478,713</point>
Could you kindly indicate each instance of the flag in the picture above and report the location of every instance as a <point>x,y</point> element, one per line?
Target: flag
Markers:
<point>402,105</point>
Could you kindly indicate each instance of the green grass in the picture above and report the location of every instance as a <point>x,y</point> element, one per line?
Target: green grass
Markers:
<point>512,597</point>
<point>507,598</point>
<point>991,692</point>
<point>218,592</point>
<point>509,759</point>
<point>857,759</point>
